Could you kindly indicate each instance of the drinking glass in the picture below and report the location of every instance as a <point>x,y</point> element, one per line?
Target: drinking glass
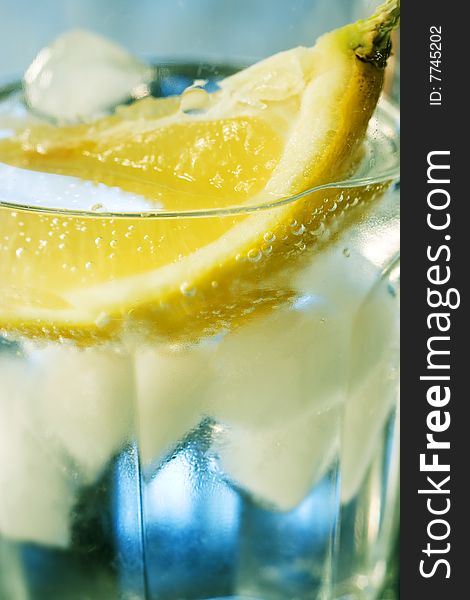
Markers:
<point>245,447</point>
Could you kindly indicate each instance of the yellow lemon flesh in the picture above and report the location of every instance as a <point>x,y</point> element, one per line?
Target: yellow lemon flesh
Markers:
<point>282,126</point>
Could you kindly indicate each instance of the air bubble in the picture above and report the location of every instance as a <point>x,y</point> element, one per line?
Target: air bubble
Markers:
<point>346,252</point>
<point>299,230</point>
<point>269,237</point>
<point>102,320</point>
<point>88,265</point>
<point>194,99</point>
<point>187,290</point>
<point>113,243</point>
<point>98,206</point>
<point>319,230</point>
<point>19,252</point>
<point>254,255</point>
<point>98,242</point>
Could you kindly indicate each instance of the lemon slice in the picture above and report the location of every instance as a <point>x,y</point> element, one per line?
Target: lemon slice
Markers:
<point>288,123</point>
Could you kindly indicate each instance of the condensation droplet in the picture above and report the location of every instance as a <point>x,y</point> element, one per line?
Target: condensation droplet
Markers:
<point>98,206</point>
<point>113,243</point>
<point>215,284</point>
<point>346,252</point>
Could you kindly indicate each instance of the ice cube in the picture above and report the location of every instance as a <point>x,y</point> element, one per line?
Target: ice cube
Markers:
<point>373,385</point>
<point>81,75</point>
<point>38,490</point>
<point>274,369</point>
<point>85,399</point>
<point>171,396</point>
<point>280,465</point>
<point>365,417</point>
<point>21,186</point>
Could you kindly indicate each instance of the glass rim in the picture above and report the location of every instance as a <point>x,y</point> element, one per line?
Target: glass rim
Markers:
<point>388,175</point>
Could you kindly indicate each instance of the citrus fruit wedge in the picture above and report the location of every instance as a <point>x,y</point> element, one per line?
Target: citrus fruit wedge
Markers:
<point>282,126</point>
